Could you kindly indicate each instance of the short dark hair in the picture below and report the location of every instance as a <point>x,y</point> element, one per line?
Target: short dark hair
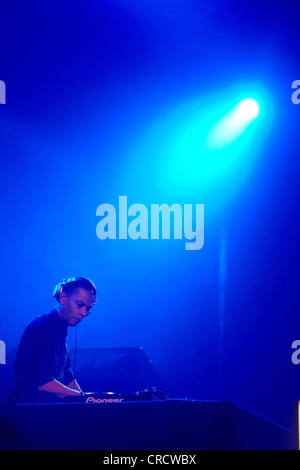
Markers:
<point>84,283</point>
<point>69,285</point>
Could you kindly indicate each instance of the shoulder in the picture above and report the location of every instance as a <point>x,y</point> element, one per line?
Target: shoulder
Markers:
<point>42,323</point>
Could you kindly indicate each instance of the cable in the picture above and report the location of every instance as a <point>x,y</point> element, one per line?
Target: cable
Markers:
<point>75,354</point>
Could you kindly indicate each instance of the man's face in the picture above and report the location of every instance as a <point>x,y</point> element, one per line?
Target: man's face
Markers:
<point>76,305</point>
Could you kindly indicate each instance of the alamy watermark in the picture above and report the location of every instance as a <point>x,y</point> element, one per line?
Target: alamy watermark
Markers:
<point>296,94</point>
<point>295,357</point>
<point>154,223</point>
<point>2,352</point>
<point>2,92</point>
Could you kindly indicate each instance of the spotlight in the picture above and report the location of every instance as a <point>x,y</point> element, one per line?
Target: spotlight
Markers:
<point>233,124</point>
<point>248,108</point>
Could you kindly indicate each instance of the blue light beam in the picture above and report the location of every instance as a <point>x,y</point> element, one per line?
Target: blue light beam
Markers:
<point>204,148</point>
<point>233,124</point>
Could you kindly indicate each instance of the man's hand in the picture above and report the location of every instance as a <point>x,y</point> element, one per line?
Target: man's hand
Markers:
<point>75,385</point>
<point>60,390</point>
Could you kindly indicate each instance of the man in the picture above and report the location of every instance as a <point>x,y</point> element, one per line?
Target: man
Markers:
<point>42,367</point>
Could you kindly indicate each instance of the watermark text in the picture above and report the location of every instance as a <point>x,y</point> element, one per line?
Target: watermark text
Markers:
<point>296,94</point>
<point>152,459</point>
<point>2,92</point>
<point>136,221</point>
<point>2,352</point>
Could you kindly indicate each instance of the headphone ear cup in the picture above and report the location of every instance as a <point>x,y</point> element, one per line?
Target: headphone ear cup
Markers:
<point>57,291</point>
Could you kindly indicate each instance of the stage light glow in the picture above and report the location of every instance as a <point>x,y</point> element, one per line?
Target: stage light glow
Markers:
<point>233,124</point>
<point>248,108</point>
<point>205,147</point>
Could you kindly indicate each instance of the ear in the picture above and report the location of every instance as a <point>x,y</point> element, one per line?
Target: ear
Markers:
<point>62,298</point>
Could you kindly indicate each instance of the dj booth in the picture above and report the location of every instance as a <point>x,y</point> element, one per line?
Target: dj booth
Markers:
<point>155,424</point>
<point>148,420</point>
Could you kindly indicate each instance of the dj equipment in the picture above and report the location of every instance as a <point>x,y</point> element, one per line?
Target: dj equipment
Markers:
<point>176,424</point>
<point>113,397</point>
<point>80,281</point>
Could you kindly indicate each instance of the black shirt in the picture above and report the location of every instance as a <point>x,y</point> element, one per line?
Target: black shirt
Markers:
<point>42,356</point>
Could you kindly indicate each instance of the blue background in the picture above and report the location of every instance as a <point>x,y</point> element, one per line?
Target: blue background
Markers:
<point>97,94</point>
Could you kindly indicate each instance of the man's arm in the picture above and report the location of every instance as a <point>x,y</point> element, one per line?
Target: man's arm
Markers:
<point>58,389</point>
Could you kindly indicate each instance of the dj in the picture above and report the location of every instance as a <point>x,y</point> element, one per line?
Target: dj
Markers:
<point>42,367</point>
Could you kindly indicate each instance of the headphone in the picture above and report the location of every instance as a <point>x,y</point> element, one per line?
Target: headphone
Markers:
<point>81,281</point>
